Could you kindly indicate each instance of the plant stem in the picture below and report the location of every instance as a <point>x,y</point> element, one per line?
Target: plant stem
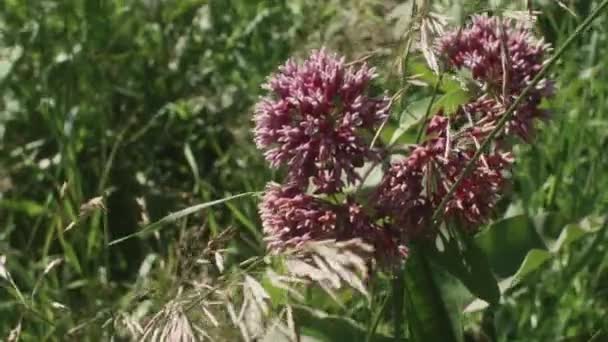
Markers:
<point>503,120</point>
<point>398,298</point>
<point>429,107</point>
<point>376,320</point>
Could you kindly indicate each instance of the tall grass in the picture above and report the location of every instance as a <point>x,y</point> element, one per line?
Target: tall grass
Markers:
<point>114,114</point>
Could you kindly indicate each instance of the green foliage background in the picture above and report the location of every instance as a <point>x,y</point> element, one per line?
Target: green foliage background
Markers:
<point>147,103</point>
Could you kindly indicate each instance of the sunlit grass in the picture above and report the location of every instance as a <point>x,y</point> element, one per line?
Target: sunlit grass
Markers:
<point>115,114</point>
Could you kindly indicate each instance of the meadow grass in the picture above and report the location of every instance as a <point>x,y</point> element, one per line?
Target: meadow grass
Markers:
<point>115,114</point>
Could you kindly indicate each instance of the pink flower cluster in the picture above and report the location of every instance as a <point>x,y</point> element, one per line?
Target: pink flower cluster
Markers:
<point>413,187</point>
<point>503,56</point>
<point>314,119</point>
<point>318,117</point>
<point>317,120</point>
<point>292,218</point>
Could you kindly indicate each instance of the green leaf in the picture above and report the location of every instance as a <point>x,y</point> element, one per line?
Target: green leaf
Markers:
<point>420,69</point>
<point>533,260</point>
<point>243,219</point>
<point>507,242</point>
<point>28,207</point>
<point>536,257</point>
<point>70,255</point>
<point>408,121</point>
<point>278,291</point>
<point>411,117</point>
<point>571,232</point>
<point>325,327</point>
<point>431,315</point>
<point>575,231</point>
<point>451,101</point>
<point>481,281</point>
<point>470,265</point>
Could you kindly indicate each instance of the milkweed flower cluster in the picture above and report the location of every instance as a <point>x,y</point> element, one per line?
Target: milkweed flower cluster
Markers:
<point>503,56</point>
<point>316,121</point>
<point>318,116</point>
<point>413,187</point>
<point>314,117</point>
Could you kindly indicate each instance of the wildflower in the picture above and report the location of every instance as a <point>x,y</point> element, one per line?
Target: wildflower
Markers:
<point>414,186</point>
<point>315,118</point>
<point>503,56</point>
<point>400,196</point>
<point>291,218</point>
<point>475,197</point>
<point>387,243</point>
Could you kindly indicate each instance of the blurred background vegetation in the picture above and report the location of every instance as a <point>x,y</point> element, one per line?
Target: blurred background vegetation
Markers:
<point>115,113</point>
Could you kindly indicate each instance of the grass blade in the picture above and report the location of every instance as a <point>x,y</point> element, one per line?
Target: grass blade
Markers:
<point>178,215</point>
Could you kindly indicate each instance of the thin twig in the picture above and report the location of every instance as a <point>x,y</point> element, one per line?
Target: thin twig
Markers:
<point>398,95</point>
<point>504,56</point>
<point>429,108</point>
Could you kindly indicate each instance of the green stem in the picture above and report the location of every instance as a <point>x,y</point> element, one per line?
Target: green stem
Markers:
<point>398,284</point>
<point>429,107</point>
<point>398,297</point>
<point>371,331</point>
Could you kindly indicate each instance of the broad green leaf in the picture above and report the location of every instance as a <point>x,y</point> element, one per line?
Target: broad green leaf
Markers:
<point>431,317</point>
<point>571,232</point>
<point>533,260</point>
<point>536,257</point>
<point>325,327</point>
<point>480,280</point>
<point>507,242</point>
<point>451,101</point>
<point>278,292</point>
<point>409,121</point>
<point>419,68</point>
<point>470,266</point>
<point>575,231</point>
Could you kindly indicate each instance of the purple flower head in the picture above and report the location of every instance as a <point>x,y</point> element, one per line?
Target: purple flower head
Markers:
<point>503,56</point>
<point>486,111</point>
<point>479,48</point>
<point>388,245</point>
<point>314,117</point>
<point>474,199</point>
<point>291,218</point>
<point>400,197</point>
<point>414,186</point>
